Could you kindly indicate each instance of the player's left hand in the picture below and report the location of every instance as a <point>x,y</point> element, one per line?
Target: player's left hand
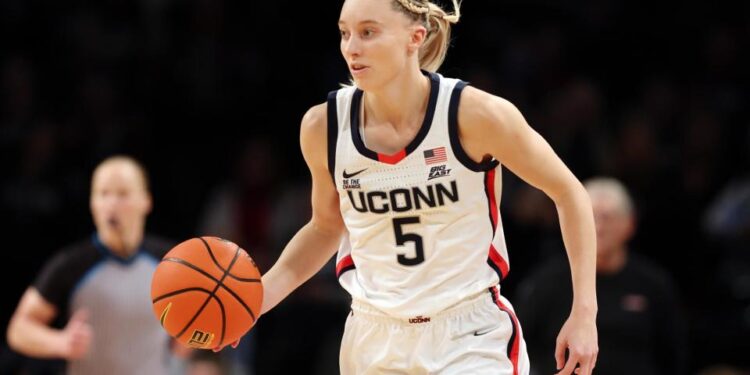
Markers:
<point>578,335</point>
<point>234,346</point>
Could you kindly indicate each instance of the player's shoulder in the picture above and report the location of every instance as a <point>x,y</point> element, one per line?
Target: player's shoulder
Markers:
<point>68,265</point>
<point>83,248</point>
<point>314,132</point>
<point>156,245</point>
<point>81,253</point>
<point>480,107</point>
<point>315,118</point>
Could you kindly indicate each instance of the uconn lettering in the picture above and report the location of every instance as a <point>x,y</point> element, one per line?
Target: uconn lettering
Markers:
<point>403,200</point>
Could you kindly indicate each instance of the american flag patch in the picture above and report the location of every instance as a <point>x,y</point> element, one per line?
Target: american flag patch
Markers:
<point>435,155</point>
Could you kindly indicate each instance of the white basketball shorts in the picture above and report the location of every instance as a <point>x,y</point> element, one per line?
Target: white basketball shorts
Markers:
<point>480,335</point>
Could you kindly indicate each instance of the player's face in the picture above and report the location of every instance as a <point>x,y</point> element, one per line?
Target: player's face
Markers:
<point>119,200</point>
<point>376,41</point>
<point>614,226</point>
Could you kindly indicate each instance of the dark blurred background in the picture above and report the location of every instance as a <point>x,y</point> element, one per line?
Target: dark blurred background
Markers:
<point>209,95</point>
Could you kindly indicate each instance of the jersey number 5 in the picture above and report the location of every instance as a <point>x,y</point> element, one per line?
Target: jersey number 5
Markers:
<point>402,238</point>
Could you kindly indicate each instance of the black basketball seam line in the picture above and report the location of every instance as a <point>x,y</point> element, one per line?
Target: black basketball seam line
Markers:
<point>221,306</point>
<point>244,280</point>
<point>229,273</point>
<point>180,291</point>
<point>195,316</point>
<point>223,319</point>
<point>211,253</point>
<point>213,293</point>
<point>216,262</point>
<point>194,267</point>
<point>204,273</point>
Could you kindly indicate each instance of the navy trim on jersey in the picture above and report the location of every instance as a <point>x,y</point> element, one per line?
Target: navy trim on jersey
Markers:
<point>354,122</point>
<point>426,123</point>
<point>513,346</point>
<point>345,264</point>
<point>347,268</point>
<point>107,252</point>
<point>495,268</point>
<point>151,257</point>
<point>458,150</point>
<point>333,130</point>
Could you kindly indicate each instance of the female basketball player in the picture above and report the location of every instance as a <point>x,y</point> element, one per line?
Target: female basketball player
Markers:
<point>407,190</point>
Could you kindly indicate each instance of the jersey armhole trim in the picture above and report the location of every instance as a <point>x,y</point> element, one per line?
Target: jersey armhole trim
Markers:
<point>333,130</point>
<point>458,150</point>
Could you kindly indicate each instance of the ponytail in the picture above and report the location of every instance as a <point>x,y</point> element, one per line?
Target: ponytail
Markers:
<point>438,23</point>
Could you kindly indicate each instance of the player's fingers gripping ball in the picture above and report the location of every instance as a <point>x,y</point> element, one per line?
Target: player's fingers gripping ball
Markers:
<point>206,292</point>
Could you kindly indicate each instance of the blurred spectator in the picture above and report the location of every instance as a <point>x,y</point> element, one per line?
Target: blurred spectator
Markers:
<point>573,121</point>
<point>641,326</point>
<point>240,210</point>
<point>728,216</point>
<point>723,370</point>
<point>726,223</point>
<point>254,211</point>
<point>320,300</point>
<point>17,93</point>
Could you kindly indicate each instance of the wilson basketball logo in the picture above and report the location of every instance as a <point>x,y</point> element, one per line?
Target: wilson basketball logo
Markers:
<point>201,339</point>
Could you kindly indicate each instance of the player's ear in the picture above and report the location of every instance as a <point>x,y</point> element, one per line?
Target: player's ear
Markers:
<point>147,203</point>
<point>417,37</point>
<point>630,225</point>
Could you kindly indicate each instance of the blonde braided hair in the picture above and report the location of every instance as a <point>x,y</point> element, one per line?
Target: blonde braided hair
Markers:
<point>414,8</point>
<point>438,24</point>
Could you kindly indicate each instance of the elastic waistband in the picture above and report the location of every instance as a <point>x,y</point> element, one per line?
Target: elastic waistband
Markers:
<point>467,305</point>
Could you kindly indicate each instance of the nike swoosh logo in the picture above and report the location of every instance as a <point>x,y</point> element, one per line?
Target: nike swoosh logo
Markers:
<point>350,175</point>
<point>164,314</point>
<point>477,333</point>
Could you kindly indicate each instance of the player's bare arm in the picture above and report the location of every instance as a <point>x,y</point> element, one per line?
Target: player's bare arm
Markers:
<point>493,127</point>
<point>29,332</point>
<point>318,240</point>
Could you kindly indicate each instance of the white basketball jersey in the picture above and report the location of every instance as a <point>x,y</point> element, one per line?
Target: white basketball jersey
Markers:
<point>424,228</point>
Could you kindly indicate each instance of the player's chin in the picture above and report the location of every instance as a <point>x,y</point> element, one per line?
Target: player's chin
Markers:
<point>356,80</point>
<point>365,83</point>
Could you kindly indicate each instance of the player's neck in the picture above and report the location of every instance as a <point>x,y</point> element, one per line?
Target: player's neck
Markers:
<point>399,102</point>
<point>121,244</point>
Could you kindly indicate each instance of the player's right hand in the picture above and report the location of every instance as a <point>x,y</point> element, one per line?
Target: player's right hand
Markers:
<point>578,337</point>
<point>77,336</point>
<point>234,345</point>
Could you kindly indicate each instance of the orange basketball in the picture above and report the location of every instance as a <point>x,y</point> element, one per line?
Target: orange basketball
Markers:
<point>206,292</point>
